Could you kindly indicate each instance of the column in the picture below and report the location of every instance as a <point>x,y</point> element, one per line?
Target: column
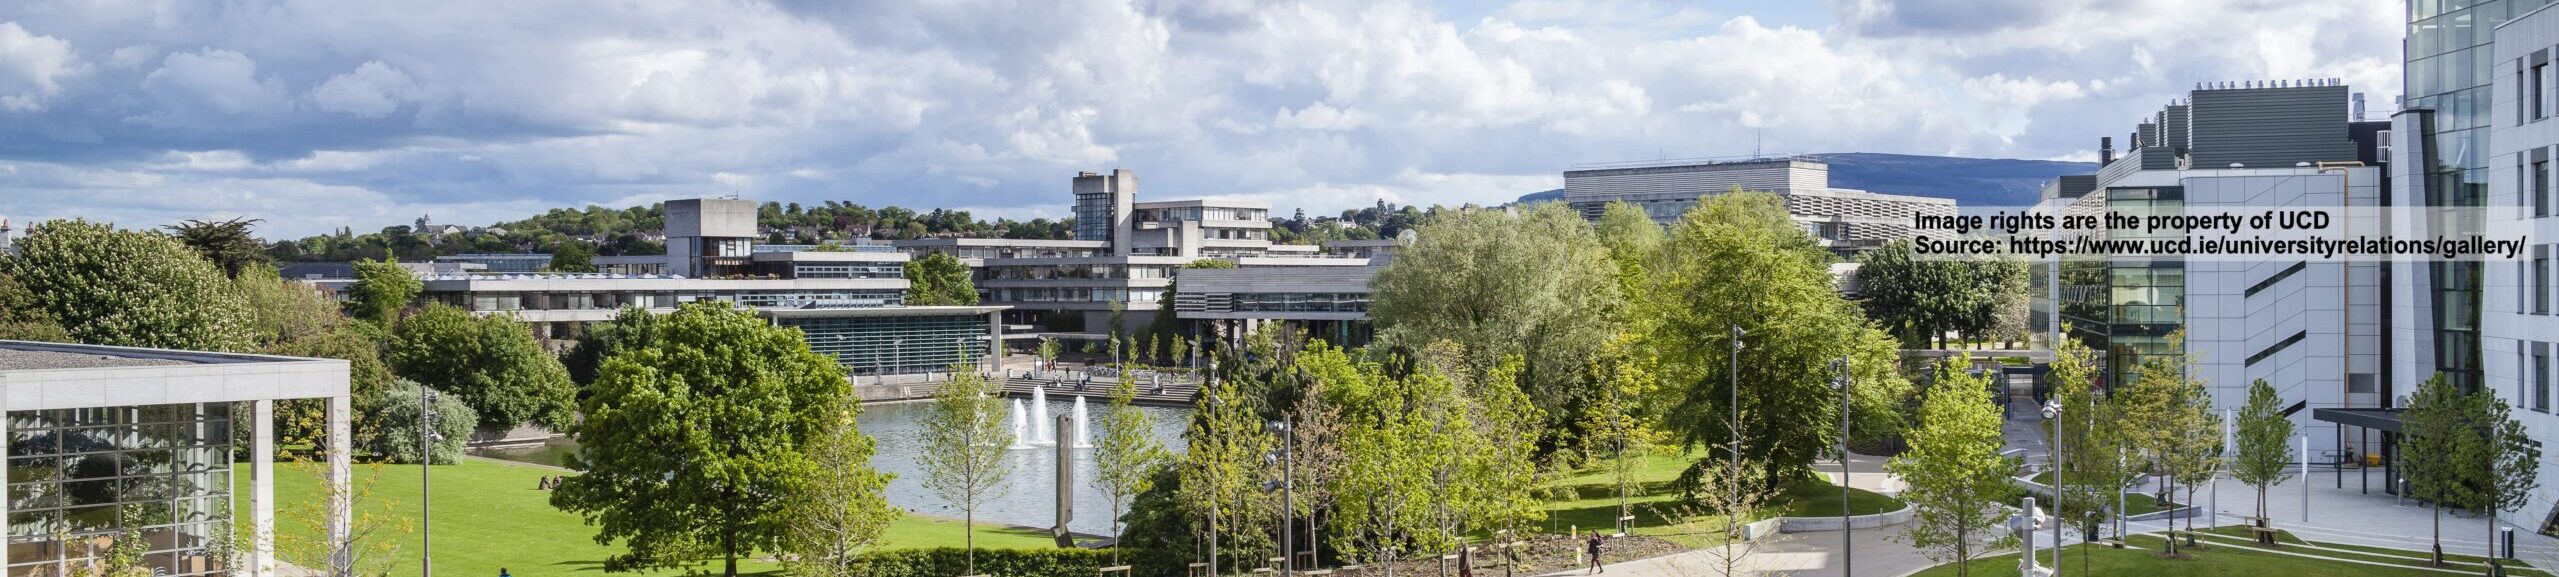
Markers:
<point>262,488</point>
<point>341,494</point>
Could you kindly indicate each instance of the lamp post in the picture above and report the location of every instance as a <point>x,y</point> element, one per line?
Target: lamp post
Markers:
<point>1732,522</point>
<point>2052,415</point>
<point>1287,487</point>
<point>428,418</point>
<point>1847,544</point>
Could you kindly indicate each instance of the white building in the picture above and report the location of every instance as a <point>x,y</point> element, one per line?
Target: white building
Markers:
<point>2519,320</point>
<point>1843,219</point>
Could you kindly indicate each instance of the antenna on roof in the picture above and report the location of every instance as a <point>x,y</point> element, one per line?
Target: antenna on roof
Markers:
<point>1755,137</point>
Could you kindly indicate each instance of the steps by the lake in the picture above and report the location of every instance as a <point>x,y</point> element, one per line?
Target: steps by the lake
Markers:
<point>1019,384</point>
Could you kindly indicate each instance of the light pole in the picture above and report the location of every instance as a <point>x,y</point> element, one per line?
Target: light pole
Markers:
<point>1847,544</point>
<point>428,418</point>
<point>2052,415</point>
<point>1210,392</point>
<point>1733,487</point>
<point>1287,487</point>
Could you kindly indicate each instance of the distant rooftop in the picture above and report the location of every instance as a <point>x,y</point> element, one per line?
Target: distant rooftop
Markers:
<point>12,359</point>
<point>1698,162</point>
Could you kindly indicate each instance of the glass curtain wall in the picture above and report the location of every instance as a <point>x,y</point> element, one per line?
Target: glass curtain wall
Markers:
<point>80,478</point>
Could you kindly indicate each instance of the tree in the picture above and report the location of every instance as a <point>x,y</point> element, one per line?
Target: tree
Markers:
<point>696,435</point>
<point>963,439</point>
<point>1129,454</point>
<point>1621,426</point>
<point>382,288</point>
<point>294,319</point>
<point>1538,285</point>
<point>1048,353</point>
<point>843,509</point>
<point>393,431</point>
<point>1633,241</point>
<point>2168,417</point>
<point>1742,262</point>
<point>491,362</point>
<point>1383,489</point>
<point>1503,467</point>
<point>2438,433</point>
<point>1221,469</point>
<point>2095,472</point>
<point>228,244</point>
<point>127,288</point>
<point>1955,474</point>
<point>22,319</point>
<point>938,279</point>
<point>2507,462</point>
<point>573,256</point>
<point>375,528</point>
<point>2264,436</point>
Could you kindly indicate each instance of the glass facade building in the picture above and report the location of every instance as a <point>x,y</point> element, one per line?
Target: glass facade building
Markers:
<point>2127,307</point>
<point>894,344</point>
<point>79,478</point>
<point>2448,52</point>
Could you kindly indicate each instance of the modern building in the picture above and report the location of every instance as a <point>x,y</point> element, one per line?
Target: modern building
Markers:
<point>1844,220</point>
<point>1124,251</point>
<point>848,299</point>
<point>501,262</point>
<point>1328,302</point>
<point>2312,329</point>
<point>2519,331</point>
<point>112,441</point>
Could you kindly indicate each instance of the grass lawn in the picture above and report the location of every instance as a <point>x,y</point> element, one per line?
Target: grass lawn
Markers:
<point>1588,500</point>
<point>2231,561</point>
<point>489,515</point>
<point>2134,503</point>
<point>2379,554</point>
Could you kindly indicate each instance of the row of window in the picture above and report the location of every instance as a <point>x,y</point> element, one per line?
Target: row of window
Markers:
<point>1075,271</point>
<point>877,270</point>
<point>1076,295</point>
<point>1301,302</point>
<point>573,301</point>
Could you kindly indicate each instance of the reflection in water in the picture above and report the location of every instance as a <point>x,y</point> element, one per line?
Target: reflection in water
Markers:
<point>1027,498</point>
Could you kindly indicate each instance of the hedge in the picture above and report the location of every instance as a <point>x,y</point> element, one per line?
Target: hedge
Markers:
<point>953,562</point>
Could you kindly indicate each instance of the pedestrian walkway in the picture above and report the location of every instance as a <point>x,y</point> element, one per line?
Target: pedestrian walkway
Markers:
<point>2350,517</point>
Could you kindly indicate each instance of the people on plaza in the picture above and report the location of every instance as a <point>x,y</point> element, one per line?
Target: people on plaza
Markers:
<point>1594,548</point>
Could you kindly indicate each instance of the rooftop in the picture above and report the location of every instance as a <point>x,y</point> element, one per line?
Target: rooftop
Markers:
<point>13,359</point>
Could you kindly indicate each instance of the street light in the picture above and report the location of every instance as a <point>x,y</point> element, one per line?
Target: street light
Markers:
<point>428,418</point>
<point>1734,366</point>
<point>1287,486</point>
<point>1847,545</point>
<point>2052,415</point>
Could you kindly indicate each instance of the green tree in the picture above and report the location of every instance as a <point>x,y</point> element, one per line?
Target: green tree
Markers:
<point>1539,285</point>
<point>22,319</point>
<point>1503,468</point>
<point>2094,473</point>
<point>393,431</point>
<point>1384,482</point>
<point>491,362</point>
<point>2506,460</point>
<point>382,288</point>
<point>1221,469</point>
<point>1621,424</point>
<point>696,435</point>
<point>1128,455</point>
<point>127,288</point>
<point>937,279</point>
<point>229,244</point>
<point>2168,418</point>
<point>2264,437</point>
<point>573,256</point>
<point>844,508</point>
<point>964,439</point>
<point>1955,474</point>
<point>1742,262</point>
<point>294,319</point>
<point>1633,241</point>
<point>2439,433</point>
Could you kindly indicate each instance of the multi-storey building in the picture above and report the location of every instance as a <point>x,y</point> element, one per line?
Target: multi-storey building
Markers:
<point>501,262</point>
<point>2309,327</point>
<point>2519,329</point>
<point>849,300</point>
<point>1844,220</point>
<point>1124,251</point>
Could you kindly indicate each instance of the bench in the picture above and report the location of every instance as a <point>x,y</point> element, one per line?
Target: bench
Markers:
<point>2257,528</point>
<point>1107,571</point>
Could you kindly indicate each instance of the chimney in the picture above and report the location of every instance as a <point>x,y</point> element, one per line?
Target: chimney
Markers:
<point>2105,150</point>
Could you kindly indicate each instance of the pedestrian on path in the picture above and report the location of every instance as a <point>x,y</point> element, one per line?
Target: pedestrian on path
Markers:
<point>1465,561</point>
<point>1594,547</point>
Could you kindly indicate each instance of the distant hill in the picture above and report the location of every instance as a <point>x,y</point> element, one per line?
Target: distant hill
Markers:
<point>1969,181</point>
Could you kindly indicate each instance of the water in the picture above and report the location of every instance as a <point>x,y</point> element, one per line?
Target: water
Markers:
<point>1028,496</point>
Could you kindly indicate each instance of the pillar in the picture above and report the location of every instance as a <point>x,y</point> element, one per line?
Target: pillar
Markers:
<point>262,488</point>
<point>341,493</point>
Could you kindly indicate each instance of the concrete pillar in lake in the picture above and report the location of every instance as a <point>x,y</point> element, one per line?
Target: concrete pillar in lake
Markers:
<point>1065,489</point>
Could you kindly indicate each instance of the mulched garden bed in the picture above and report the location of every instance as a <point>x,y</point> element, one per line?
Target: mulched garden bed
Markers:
<point>1538,555</point>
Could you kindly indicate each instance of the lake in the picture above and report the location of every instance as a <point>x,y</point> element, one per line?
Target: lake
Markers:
<point>1029,495</point>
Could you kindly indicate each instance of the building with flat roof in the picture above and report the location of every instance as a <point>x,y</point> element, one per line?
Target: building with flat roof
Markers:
<point>1125,251</point>
<point>1844,220</point>
<point>501,262</point>
<point>2310,328</point>
<point>848,300</point>
<point>2519,328</point>
<point>110,441</point>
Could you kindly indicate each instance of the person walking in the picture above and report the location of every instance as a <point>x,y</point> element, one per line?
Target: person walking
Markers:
<point>502,572</point>
<point>1465,560</point>
<point>1594,547</point>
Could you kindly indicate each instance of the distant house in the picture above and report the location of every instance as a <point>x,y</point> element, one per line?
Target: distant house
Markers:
<point>427,226</point>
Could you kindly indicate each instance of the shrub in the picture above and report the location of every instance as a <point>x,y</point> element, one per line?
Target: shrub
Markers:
<point>395,426</point>
<point>953,562</point>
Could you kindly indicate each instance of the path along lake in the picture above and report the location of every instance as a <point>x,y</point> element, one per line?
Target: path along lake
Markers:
<point>1029,495</point>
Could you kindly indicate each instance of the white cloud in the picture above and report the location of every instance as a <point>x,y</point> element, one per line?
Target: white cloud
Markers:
<point>480,107</point>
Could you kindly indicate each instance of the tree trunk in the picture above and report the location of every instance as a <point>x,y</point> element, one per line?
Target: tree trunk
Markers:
<point>968,527</point>
<point>728,545</point>
<point>2438,509</point>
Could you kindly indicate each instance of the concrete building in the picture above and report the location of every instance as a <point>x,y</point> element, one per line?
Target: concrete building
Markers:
<point>1124,251</point>
<point>501,262</point>
<point>849,300</point>
<point>2519,331</point>
<point>1845,220</point>
<point>109,441</point>
<point>2312,329</point>
<point>1329,302</point>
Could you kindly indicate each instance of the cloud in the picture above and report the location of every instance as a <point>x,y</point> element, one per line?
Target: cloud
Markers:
<point>479,110</point>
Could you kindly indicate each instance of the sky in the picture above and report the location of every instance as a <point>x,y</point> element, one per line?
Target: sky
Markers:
<point>319,114</point>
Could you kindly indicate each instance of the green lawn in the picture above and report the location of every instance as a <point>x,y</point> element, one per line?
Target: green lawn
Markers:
<point>2377,554</point>
<point>488,514</point>
<point>2218,561</point>
<point>2134,503</point>
<point>1588,500</point>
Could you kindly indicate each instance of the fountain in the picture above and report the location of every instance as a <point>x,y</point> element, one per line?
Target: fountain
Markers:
<point>1041,431</point>
<point>1021,427</point>
<point>1083,428</point>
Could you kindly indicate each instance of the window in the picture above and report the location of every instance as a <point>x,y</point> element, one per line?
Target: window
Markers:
<point>2541,280</point>
<point>2540,377</point>
<point>2534,92</point>
<point>2540,175</point>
